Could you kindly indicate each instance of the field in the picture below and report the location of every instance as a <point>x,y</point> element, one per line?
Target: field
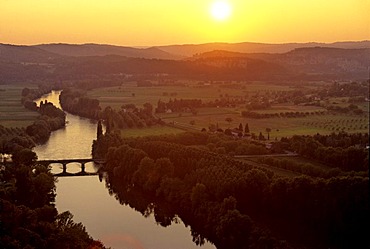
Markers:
<point>280,127</point>
<point>12,112</point>
<point>153,131</point>
<point>277,171</point>
<point>129,93</point>
<point>317,120</point>
<point>297,165</point>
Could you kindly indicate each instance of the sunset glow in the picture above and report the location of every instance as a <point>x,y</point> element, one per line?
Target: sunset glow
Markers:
<point>145,23</point>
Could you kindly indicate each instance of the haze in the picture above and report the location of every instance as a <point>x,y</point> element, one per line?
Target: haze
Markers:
<point>147,23</point>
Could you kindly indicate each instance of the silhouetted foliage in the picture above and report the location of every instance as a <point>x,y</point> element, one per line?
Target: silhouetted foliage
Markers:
<point>225,200</point>
<point>28,216</point>
<point>345,151</point>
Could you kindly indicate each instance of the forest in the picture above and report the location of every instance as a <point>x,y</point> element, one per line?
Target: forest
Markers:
<point>234,204</point>
<point>29,218</point>
<point>50,119</point>
<point>197,177</point>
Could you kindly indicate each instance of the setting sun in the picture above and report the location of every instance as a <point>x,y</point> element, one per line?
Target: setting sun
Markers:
<point>220,10</point>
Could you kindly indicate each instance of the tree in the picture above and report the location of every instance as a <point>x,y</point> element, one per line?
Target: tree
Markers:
<point>261,137</point>
<point>246,128</point>
<point>268,130</point>
<point>148,108</point>
<point>212,127</point>
<point>229,120</point>
<point>107,115</point>
<point>253,135</point>
<point>228,132</point>
<point>24,157</point>
<point>240,127</point>
<point>99,130</point>
<point>198,194</point>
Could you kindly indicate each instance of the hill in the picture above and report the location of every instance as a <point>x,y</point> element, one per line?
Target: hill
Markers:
<point>102,50</point>
<point>188,50</point>
<point>25,54</point>
<point>313,62</point>
<point>91,61</point>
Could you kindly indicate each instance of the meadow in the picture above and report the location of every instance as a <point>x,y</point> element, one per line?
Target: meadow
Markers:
<point>12,112</point>
<point>130,93</point>
<point>317,120</point>
<point>277,171</point>
<point>152,131</point>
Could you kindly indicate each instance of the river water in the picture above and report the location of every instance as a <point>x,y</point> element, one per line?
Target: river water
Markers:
<point>87,198</point>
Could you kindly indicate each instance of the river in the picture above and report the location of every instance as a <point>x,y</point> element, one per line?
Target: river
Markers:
<point>87,198</point>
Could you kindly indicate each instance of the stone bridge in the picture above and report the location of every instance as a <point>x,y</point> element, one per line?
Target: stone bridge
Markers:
<point>65,162</point>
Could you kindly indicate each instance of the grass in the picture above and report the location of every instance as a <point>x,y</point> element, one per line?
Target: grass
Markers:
<point>280,127</point>
<point>282,108</point>
<point>129,93</point>
<point>287,172</point>
<point>303,160</point>
<point>152,131</point>
<point>277,171</point>
<point>326,123</point>
<point>12,112</point>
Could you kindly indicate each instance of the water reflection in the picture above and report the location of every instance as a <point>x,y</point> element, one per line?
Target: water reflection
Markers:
<point>127,223</point>
<point>52,97</point>
<point>74,141</point>
<point>117,226</point>
<point>163,212</point>
<point>73,168</point>
<point>56,168</point>
<point>91,167</point>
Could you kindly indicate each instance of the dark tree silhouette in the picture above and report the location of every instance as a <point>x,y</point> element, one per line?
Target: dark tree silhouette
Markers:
<point>268,130</point>
<point>229,120</point>
<point>246,128</point>
<point>261,137</point>
<point>99,130</point>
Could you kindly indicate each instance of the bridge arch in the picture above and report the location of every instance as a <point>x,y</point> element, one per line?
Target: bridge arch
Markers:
<point>65,162</point>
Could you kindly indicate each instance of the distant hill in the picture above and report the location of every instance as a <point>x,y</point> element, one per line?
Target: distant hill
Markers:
<point>26,54</point>
<point>309,61</point>
<point>43,52</point>
<point>92,61</point>
<point>102,50</point>
<point>188,50</point>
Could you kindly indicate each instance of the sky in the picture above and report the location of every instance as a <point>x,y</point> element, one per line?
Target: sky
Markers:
<point>165,22</point>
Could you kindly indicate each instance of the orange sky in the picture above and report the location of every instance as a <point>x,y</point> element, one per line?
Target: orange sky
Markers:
<point>162,22</point>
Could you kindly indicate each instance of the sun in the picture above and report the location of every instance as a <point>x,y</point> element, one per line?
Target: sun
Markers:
<point>220,10</point>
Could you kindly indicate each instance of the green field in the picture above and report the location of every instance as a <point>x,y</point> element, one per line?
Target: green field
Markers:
<point>153,131</point>
<point>295,168</point>
<point>277,171</point>
<point>317,120</point>
<point>281,108</point>
<point>280,127</point>
<point>12,112</point>
<point>129,93</point>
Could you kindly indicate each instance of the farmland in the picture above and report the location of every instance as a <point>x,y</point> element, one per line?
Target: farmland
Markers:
<point>12,112</point>
<point>132,94</point>
<point>316,118</point>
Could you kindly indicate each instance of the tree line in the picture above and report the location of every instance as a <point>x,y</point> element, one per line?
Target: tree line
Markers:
<point>51,118</point>
<point>28,216</point>
<point>226,201</point>
<point>129,116</point>
<point>345,151</point>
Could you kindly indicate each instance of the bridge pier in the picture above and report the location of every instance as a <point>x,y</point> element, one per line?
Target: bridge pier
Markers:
<point>83,167</point>
<point>65,162</point>
<point>64,168</point>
